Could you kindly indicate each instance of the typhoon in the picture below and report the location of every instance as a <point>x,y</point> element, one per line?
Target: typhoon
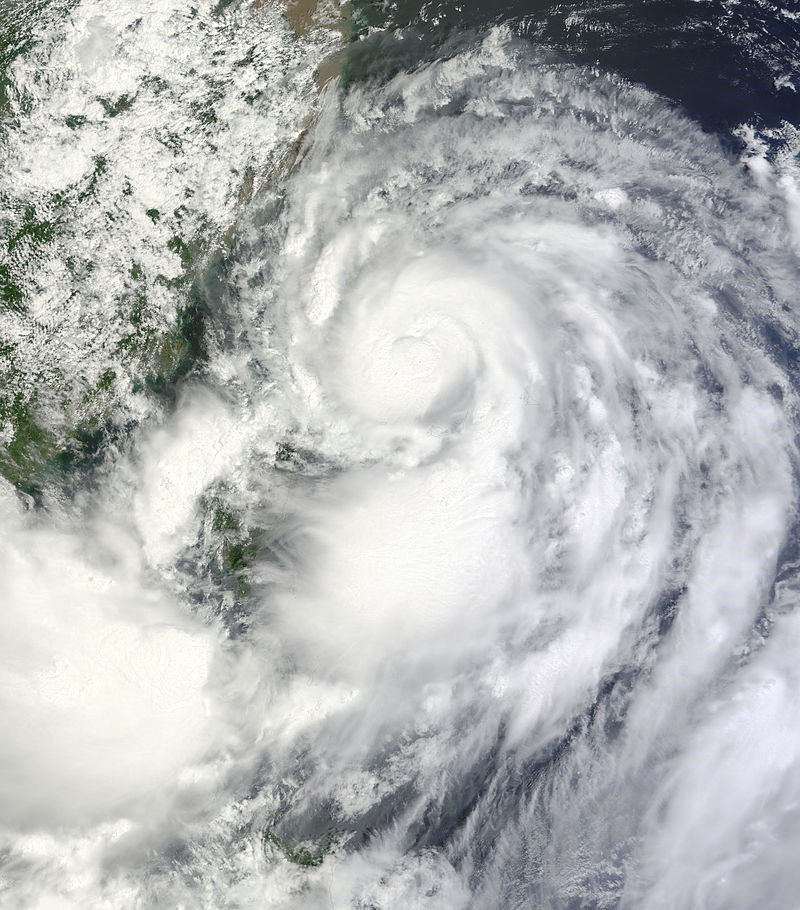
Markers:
<point>461,570</point>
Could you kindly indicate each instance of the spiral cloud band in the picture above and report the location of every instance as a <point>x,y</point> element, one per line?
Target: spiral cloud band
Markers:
<point>560,483</point>
<point>520,629</point>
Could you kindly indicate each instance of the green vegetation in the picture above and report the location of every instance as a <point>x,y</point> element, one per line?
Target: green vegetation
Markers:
<point>152,360</point>
<point>117,107</point>
<point>106,381</point>
<point>25,457</point>
<point>234,545</point>
<point>11,296</point>
<point>179,246</point>
<point>156,83</point>
<point>46,415</point>
<point>33,231</point>
<point>37,454</point>
<point>284,453</point>
<point>222,6</point>
<point>100,168</point>
<point>182,348</point>
<point>301,854</point>
<point>18,22</point>
<point>204,112</point>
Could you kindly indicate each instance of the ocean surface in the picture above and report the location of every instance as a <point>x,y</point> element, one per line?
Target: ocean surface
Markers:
<point>399,455</point>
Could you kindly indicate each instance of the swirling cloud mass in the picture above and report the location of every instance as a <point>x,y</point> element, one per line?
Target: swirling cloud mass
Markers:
<point>500,410</point>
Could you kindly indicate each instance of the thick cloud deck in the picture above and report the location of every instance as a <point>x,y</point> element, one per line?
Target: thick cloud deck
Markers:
<point>103,682</point>
<point>503,425</point>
